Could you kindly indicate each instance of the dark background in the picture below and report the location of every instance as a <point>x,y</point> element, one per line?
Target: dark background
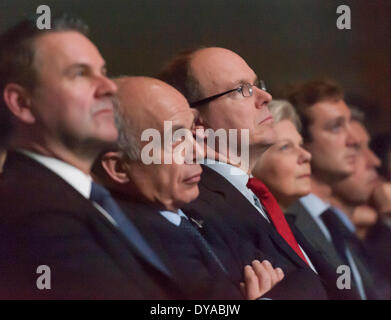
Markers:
<point>282,40</point>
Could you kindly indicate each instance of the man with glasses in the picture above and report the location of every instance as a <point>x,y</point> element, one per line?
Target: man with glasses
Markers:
<point>225,90</point>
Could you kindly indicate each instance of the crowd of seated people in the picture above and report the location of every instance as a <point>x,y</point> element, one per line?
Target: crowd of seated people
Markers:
<point>96,187</point>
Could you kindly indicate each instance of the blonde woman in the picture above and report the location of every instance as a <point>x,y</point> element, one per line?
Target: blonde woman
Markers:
<point>285,167</point>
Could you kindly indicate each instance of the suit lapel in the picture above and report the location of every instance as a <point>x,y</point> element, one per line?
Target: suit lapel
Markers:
<point>19,166</point>
<point>143,209</point>
<point>309,228</point>
<point>213,181</point>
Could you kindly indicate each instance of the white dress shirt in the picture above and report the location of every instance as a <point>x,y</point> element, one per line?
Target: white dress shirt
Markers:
<point>173,217</point>
<point>239,178</point>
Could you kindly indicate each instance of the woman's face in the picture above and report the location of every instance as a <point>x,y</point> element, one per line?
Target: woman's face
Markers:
<point>285,166</point>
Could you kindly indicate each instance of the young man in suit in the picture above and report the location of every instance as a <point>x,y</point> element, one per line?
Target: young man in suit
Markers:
<point>357,195</point>
<point>228,95</point>
<point>328,137</point>
<point>61,237</point>
<point>154,193</point>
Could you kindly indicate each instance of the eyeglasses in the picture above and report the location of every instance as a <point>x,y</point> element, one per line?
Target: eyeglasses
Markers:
<point>245,89</point>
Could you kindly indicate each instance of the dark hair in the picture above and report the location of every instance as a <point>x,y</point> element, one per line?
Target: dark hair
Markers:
<point>304,95</point>
<point>17,52</point>
<point>178,74</point>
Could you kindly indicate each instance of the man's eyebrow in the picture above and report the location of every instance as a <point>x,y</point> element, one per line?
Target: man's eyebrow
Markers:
<point>256,80</point>
<point>338,120</point>
<point>244,81</point>
<point>76,66</point>
<point>285,140</point>
<point>81,65</point>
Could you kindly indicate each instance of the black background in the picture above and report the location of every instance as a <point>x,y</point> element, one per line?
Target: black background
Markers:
<point>282,40</point>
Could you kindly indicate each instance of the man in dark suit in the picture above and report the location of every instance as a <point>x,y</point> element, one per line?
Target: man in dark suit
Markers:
<point>61,236</point>
<point>229,96</point>
<point>363,193</point>
<point>152,189</point>
<point>328,137</point>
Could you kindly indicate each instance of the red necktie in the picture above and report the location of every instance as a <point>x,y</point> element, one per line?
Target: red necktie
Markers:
<point>275,214</point>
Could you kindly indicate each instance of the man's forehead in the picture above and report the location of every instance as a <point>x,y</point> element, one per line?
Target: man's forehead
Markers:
<point>330,109</point>
<point>150,102</point>
<point>220,67</point>
<point>67,47</point>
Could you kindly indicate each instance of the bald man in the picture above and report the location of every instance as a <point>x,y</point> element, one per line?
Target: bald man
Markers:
<point>153,194</point>
<point>229,95</point>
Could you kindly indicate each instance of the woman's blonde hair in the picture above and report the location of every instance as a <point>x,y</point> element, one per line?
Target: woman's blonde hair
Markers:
<point>283,110</point>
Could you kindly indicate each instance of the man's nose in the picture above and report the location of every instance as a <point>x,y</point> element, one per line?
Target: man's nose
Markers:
<point>373,159</point>
<point>262,97</point>
<point>106,87</point>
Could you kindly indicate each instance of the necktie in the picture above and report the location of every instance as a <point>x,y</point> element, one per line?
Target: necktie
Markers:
<point>275,213</point>
<point>341,236</point>
<point>102,196</point>
<point>191,231</point>
<point>344,239</point>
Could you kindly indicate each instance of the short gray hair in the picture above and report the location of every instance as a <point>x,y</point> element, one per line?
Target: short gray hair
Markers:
<point>128,141</point>
<point>283,110</point>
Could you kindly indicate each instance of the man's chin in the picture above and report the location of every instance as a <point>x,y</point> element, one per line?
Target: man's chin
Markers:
<point>186,199</point>
<point>344,173</point>
<point>108,136</point>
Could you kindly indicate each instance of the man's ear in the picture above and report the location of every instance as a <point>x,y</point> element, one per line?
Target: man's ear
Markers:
<point>18,101</point>
<point>112,163</point>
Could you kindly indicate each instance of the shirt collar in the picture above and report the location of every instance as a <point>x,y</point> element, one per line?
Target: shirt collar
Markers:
<point>236,176</point>
<point>75,177</point>
<point>173,217</point>
<point>314,205</point>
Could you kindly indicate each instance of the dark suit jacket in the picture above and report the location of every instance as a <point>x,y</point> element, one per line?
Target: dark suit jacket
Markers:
<point>313,234</point>
<point>325,270</point>
<point>252,237</point>
<point>378,246</point>
<point>196,273</point>
<point>45,221</point>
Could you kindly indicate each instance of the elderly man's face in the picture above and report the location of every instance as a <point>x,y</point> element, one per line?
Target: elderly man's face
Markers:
<point>219,70</point>
<point>332,144</point>
<point>358,187</point>
<point>148,103</point>
<point>176,183</point>
<point>72,102</point>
